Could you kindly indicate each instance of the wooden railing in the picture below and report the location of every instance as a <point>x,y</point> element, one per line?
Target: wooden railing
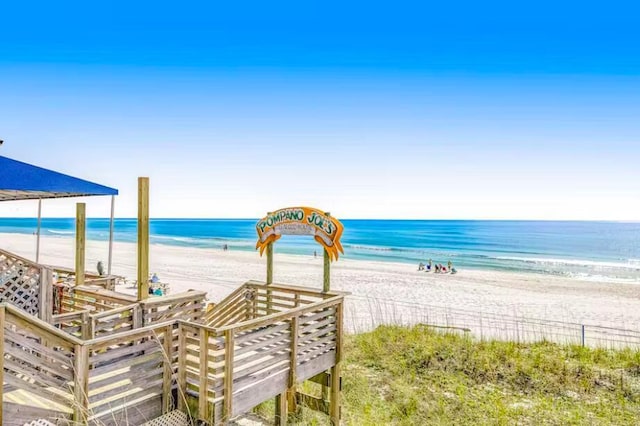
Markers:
<point>188,306</point>
<point>68,276</point>
<point>38,359</point>
<point>129,371</point>
<point>93,299</point>
<point>255,299</point>
<point>121,374</point>
<point>230,369</point>
<point>114,379</point>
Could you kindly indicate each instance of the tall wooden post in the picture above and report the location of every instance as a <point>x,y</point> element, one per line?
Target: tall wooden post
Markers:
<point>269,263</point>
<point>81,384</point>
<point>326,282</point>
<point>80,242</point>
<point>143,238</point>
<point>269,275</point>
<point>336,385</point>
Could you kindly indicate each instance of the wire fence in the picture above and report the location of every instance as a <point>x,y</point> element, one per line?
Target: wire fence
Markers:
<point>365,313</point>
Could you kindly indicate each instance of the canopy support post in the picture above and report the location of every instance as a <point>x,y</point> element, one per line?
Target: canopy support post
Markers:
<point>113,198</point>
<point>38,231</point>
<point>80,242</point>
<point>143,238</point>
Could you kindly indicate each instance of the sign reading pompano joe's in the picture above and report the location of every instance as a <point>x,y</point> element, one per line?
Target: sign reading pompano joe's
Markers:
<point>301,221</point>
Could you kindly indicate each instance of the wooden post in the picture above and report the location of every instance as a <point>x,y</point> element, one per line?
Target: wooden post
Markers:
<point>46,295</point>
<point>269,276</point>
<point>182,368</point>
<point>281,409</point>
<point>269,263</point>
<point>228,374</point>
<point>336,385</point>
<point>168,370</point>
<point>2,311</point>
<point>81,384</point>
<point>293,366</point>
<point>86,326</point>
<point>80,242</point>
<point>326,283</point>
<point>203,390</point>
<point>143,238</point>
<point>326,286</point>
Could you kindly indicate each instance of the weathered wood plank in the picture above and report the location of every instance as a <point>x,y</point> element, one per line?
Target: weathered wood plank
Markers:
<point>251,396</point>
<point>315,366</point>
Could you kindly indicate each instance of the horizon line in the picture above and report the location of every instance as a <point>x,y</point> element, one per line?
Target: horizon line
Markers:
<point>346,218</point>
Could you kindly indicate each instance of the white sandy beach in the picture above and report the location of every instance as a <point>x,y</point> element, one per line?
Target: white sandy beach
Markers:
<point>470,298</point>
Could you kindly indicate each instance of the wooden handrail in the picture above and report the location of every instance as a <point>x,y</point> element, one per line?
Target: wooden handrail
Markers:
<point>105,294</point>
<point>128,334</point>
<point>48,328</point>
<point>258,322</point>
<point>298,289</point>
<point>69,316</point>
<point>114,311</point>
<point>178,297</point>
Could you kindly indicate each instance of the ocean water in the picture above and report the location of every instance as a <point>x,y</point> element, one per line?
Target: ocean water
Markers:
<point>587,250</point>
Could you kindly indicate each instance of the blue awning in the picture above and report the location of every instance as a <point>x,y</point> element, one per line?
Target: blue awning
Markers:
<point>22,181</point>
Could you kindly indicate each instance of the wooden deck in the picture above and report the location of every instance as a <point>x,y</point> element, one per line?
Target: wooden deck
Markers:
<point>106,360</point>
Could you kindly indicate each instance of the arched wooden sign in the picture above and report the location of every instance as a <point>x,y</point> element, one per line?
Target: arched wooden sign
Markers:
<point>325,229</point>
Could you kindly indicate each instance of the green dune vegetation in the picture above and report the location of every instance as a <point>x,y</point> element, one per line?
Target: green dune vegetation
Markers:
<point>419,376</point>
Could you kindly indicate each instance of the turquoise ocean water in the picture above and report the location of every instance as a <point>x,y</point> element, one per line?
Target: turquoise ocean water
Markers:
<point>588,250</point>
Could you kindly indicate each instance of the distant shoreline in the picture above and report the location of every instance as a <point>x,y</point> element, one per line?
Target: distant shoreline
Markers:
<point>585,250</point>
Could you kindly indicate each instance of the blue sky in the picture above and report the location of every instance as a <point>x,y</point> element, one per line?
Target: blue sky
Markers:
<point>403,110</point>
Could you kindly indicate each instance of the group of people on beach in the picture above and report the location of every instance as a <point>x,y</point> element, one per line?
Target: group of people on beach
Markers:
<point>438,268</point>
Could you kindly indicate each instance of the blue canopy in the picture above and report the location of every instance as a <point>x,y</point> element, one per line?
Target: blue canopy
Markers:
<point>22,181</point>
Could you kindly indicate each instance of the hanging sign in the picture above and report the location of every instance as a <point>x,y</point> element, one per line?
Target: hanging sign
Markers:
<point>325,229</point>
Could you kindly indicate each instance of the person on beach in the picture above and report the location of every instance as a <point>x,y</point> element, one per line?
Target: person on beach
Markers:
<point>420,266</point>
<point>429,265</point>
<point>449,265</point>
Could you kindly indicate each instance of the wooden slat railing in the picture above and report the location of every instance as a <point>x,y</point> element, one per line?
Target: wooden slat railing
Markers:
<point>128,370</point>
<point>227,369</point>
<point>248,362</point>
<point>39,359</point>
<point>188,306</point>
<point>93,299</point>
<point>255,299</point>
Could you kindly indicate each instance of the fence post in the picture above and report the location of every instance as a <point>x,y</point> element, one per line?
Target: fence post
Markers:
<point>182,368</point>
<point>582,333</point>
<point>81,384</point>
<point>85,326</point>
<point>167,381</point>
<point>228,374</point>
<point>203,391</point>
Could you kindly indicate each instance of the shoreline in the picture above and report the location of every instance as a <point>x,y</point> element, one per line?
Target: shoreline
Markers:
<point>381,291</point>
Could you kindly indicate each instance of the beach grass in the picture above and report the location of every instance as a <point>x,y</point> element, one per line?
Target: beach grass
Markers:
<point>416,376</point>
